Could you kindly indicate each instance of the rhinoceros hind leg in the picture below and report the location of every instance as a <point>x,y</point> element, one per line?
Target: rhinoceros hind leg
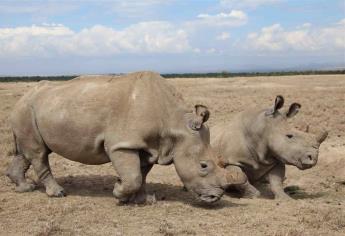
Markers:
<point>127,165</point>
<point>40,163</point>
<point>16,172</point>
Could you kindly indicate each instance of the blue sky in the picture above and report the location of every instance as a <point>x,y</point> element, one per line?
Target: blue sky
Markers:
<point>169,36</point>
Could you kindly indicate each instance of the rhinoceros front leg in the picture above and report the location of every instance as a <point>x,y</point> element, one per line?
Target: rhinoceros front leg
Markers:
<point>141,196</point>
<point>247,190</point>
<point>275,178</point>
<point>127,165</point>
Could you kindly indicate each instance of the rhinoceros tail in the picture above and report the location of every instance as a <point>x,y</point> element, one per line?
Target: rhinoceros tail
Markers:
<point>15,145</point>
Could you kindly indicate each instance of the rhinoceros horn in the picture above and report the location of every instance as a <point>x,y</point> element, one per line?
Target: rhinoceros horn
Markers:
<point>235,176</point>
<point>307,129</point>
<point>321,136</point>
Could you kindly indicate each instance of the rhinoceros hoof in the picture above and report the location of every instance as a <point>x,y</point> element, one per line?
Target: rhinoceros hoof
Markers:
<point>283,197</point>
<point>151,199</point>
<point>251,194</point>
<point>25,187</point>
<point>138,198</point>
<point>56,192</point>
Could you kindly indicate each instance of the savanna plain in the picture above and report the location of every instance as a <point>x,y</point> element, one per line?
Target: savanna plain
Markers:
<point>318,207</point>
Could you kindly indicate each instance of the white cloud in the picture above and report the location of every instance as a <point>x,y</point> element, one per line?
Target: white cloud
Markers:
<point>53,39</point>
<point>233,18</point>
<point>37,7</point>
<point>306,25</point>
<point>47,8</point>
<point>134,8</point>
<point>197,50</point>
<point>241,4</point>
<point>341,22</point>
<point>211,50</point>
<point>276,38</point>
<point>134,5</point>
<point>31,40</point>
<point>223,36</point>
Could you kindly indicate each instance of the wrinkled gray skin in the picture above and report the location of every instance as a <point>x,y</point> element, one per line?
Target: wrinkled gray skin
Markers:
<point>133,121</point>
<point>261,142</point>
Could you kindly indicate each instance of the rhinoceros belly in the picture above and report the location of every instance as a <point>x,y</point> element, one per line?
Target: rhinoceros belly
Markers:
<point>259,173</point>
<point>87,150</point>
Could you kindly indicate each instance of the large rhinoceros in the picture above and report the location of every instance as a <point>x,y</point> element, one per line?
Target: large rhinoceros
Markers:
<point>261,142</point>
<point>133,121</point>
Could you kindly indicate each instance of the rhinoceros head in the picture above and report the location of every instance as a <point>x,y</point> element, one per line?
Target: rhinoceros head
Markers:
<point>287,144</point>
<point>196,162</point>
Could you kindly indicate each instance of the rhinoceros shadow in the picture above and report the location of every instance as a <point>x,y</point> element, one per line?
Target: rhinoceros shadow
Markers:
<point>102,186</point>
<point>294,191</point>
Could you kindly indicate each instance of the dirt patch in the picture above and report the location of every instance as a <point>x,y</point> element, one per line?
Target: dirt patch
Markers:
<point>90,209</point>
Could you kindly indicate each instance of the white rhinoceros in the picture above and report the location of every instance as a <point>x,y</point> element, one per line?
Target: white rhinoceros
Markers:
<point>133,121</point>
<point>261,142</point>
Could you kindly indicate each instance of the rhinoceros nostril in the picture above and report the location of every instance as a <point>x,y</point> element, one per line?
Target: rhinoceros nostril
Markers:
<point>310,157</point>
<point>203,165</point>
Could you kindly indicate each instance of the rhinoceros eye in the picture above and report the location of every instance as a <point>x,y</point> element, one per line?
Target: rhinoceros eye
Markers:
<point>289,135</point>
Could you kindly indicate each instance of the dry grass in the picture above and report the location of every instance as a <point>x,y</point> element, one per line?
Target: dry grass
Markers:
<point>90,209</point>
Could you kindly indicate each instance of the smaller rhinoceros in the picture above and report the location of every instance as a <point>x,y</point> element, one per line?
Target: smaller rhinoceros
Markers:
<point>261,142</point>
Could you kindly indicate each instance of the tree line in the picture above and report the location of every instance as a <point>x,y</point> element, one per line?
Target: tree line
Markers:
<point>223,74</point>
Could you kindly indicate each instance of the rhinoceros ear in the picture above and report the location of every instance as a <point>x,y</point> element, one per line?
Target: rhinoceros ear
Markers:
<point>278,103</point>
<point>293,110</point>
<point>201,116</point>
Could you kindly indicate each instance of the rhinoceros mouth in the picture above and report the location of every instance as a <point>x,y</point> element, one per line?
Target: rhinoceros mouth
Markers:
<point>297,163</point>
<point>209,198</point>
<point>302,166</point>
<point>207,195</point>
